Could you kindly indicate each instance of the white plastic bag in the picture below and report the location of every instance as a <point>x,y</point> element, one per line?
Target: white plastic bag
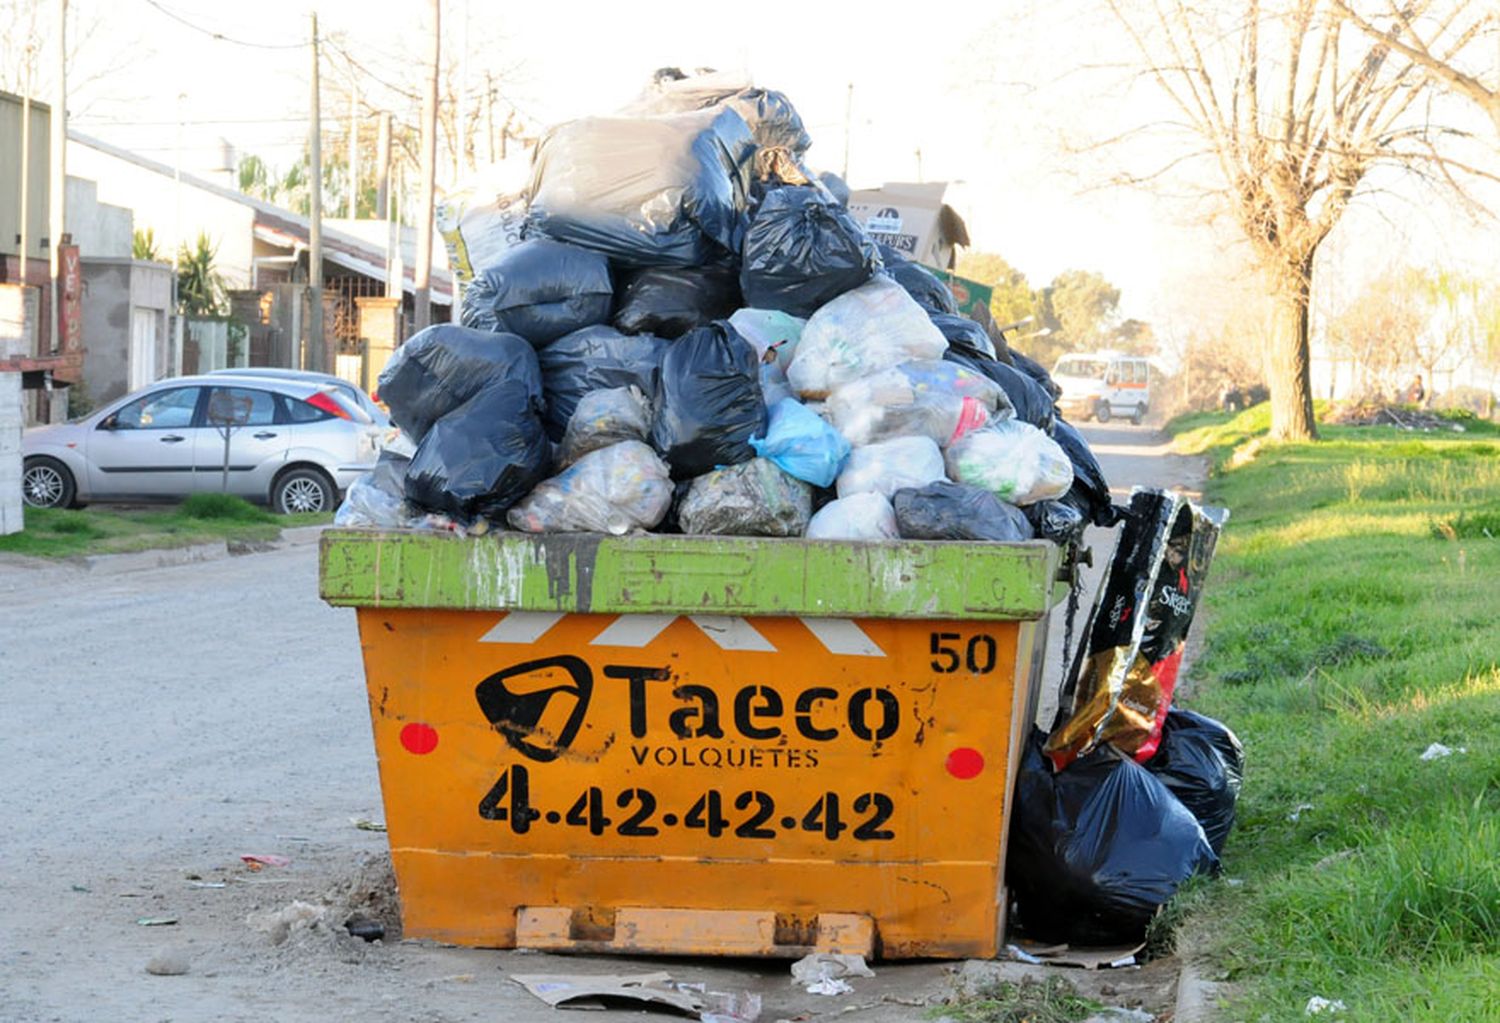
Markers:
<point>863,331</point>
<point>603,418</point>
<point>768,329</point>
<point>1013,460</point>
<point>933,399</point>
<point>617,489</point>
<point>891,465</point>
<point>866,516</point>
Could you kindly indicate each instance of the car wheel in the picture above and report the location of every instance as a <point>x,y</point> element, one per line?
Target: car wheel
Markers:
<point>47,483</point>
<point>1101,412</point>
<point>1139,415</point>
<point>302,491</point>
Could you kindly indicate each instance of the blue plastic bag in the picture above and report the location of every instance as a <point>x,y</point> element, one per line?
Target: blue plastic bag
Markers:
<point>802,444</point>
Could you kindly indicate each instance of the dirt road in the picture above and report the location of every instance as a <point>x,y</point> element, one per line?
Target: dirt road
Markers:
<point>162,723</point>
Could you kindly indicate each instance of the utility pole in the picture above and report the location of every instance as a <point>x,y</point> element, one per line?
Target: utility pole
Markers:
<point>353,146</point>
<point>848,117</point>
<point>383,166</point>
<point>26,166</point>
<point>919,165</point>
<point>422,273</point>
<point>461,103</point>
<point>57,197</point>
<point>313,357</point>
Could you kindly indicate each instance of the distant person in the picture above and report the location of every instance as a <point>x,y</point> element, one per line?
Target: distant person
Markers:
<point>1415,392</point>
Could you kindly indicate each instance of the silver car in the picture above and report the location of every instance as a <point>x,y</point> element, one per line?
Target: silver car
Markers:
<point>353,393</point>
<point>294,444</point>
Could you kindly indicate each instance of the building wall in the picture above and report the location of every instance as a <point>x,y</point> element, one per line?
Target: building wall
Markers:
<point>10,176</point>
<point>113,289</point>
<point>156,199</point>
<point>98,229</point>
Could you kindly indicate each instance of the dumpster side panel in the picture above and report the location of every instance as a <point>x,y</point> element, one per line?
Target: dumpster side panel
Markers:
<point>792,765</point>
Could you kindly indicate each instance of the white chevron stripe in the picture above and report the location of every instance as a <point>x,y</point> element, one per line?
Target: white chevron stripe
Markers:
<point>522,627</point>
<point>732,633</point>
<point>842,637</point>
<point>633,630</point>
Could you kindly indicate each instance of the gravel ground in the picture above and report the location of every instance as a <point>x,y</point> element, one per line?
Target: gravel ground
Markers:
<point>162,723</point>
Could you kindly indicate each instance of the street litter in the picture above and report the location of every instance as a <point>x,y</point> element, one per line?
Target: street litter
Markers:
<point>1317,1005</point>
<point>360,926</point>
<point>256,861</point>
<point>364,824</point>
<point>585,991</point>
<point>1437,751</point>
<point>827,973</point>
<point>1296,814</point>
<point>208,884</point>
<point>280,924</point>
<point>156,921</point>
<point>168,962</point>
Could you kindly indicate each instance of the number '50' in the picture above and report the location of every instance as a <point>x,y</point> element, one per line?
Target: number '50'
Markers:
<point>978,655</point>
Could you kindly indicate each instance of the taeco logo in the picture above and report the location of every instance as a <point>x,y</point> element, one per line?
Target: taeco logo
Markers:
<point>516,700</point>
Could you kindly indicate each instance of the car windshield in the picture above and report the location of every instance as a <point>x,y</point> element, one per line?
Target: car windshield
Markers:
<point>1088,369</point>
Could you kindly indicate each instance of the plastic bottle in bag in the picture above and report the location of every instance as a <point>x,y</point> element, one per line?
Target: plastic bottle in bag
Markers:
<point>864,516</point>
<point>863,331</point>
<point>891,465</point>
<point>1013,460</point>
<point>603,418</point>
<point>754,498</point>
<point>617,489</point>
<point>802,443</point>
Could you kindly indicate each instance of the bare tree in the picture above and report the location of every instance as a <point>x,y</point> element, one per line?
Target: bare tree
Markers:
<point>1293,109</point>
<point>1447,42</point>
<point>1375,332</point>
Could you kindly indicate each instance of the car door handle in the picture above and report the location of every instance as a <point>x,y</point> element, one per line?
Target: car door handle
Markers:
<point>172,438</point>
<point>265,435</point>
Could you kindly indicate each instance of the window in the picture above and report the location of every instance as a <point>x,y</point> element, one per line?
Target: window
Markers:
<point>1087,369</point>
<point>298,411</point>
<point>241,406</point>
<point>163,410</point>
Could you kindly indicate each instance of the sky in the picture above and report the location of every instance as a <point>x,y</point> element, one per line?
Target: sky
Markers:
<point>990,94</point>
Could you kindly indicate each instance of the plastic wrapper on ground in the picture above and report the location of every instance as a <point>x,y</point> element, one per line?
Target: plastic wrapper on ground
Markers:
<point>920,283</point>
<point>1013,460</point>
<point>891,465</point>
<point>875,326</point>
<point>1203,763</point>
<point>646,191</point>
<point>670,301</point>
<point>865,516</point>
<point>955,511</point>
<point>801,251</point>
<point>754,498</point>
<point>802,443</point>
<point>540,289</point>
<point>708,401</point>
<point>482,457</point>
<point>594,359</point>
<point>618,489</point>
<point>1096,849</point>
<point>603,418</point>
<point>929,398</point>
<point>440,368</point>
<point>1121,689</point>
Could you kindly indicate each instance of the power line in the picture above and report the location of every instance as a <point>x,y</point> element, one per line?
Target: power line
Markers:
<point>221,37</point>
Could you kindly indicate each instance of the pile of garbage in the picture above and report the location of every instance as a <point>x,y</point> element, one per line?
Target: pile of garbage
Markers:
<point>693,334</point>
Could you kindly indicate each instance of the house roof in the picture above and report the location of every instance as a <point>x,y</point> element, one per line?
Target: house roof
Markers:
<point>280,226</point>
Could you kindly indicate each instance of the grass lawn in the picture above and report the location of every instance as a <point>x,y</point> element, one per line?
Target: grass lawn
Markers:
<point>1353,620</point>
<point>202,518</point>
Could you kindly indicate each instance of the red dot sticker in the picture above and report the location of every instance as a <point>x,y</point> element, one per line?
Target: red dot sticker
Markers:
<point>421,739</point>
<point>963,763</point>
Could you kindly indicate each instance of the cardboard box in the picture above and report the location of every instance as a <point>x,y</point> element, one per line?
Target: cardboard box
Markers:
<point>912,219</point>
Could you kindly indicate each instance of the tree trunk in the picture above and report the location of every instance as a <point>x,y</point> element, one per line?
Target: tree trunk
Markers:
<point>1291,384</point>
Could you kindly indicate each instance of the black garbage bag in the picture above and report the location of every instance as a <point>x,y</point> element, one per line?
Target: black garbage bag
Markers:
<point>540,289</point>
<point>594,359</point>
<point>1203,763</point>
<point>772,119</point>
<point>440,368</point>
<point>957,511</point>
<point>1088,477</point>
<point>1097,848</point>
<point>708,401</point>
<point>1034,370</point>
<point>837,187</point>
<point>646,191</point>
<point>802,250</point>
<point>1030,400</point>
<point>964,334</point>
<point>670,301</point>
<point>920,283</point>
<point>1059,521</point>
<point>483,456</point>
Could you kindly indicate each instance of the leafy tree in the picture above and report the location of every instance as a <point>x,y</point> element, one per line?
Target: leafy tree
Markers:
<point>1084,306</point>
<point>143,246</point>
<point>200,288</point>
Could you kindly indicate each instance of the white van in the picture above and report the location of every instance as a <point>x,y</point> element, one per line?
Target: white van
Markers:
<point>1103,385</point>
